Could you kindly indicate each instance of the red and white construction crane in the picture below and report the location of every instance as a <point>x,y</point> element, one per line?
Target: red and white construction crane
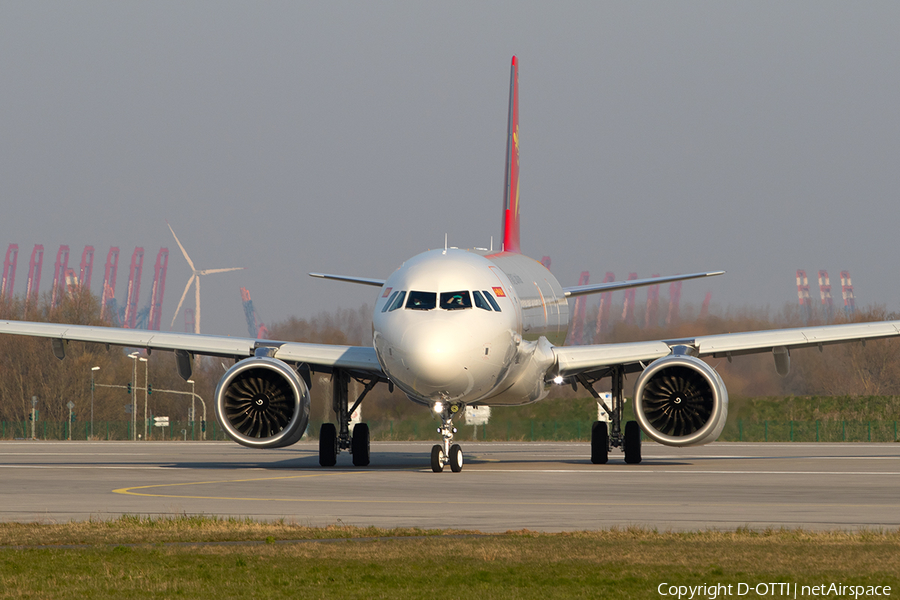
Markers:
<point>825,293</point>
<point>651,317</point>
<point>704,308</point>
<point>33,286</point>
<point>87,268</point>
<point>159,288</point>
<point>134,288</point>
<point>674,303</point>
<point>803,295</point>
<point>59,275</point>
<point>72,281</point>
<point>580,310</point>
<point>9,272</point>
<point>108,296</point>
<point>254,323</point>
<point>603,311</point>
<point>628,308</point>
<point>847,293</point>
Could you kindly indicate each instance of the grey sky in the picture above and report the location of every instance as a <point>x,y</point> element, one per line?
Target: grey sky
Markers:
<point>287,137</point>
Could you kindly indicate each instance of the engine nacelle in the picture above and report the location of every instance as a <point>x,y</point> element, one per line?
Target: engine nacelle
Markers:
<point>681,401</point>
<point>262,402</point>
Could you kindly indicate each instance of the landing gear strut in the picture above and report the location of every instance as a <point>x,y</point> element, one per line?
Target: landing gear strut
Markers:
<point>606,436</point>
<point>446,452</point>
<point>332,441</point>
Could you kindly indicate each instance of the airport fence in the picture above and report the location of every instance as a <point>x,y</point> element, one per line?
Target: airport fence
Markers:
<point>497,430</point>
<point>810,431</point>
<point>109,430</point>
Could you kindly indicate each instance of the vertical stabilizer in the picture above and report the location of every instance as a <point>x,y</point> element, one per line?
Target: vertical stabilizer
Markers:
<point>511,189</point>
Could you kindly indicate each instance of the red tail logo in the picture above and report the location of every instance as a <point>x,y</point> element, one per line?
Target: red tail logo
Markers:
<point>511,191</point>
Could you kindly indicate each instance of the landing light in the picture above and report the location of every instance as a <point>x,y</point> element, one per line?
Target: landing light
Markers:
<point>438,407</point>
<point>558,380</point>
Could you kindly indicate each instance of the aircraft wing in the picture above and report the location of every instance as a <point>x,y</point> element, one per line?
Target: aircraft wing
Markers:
<point>362,280</point>
<point>325,355</point>
<point>572,360</point>
<point>612,286</point>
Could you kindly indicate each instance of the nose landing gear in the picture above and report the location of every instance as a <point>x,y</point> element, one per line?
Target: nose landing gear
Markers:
<point>446,452</point>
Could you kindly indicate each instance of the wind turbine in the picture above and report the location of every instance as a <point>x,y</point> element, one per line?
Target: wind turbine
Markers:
<point>194,277</point>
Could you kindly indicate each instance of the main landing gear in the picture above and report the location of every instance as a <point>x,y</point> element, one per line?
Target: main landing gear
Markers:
<point>606,436</point>
<point>446,452</point>
<point>332,441</point>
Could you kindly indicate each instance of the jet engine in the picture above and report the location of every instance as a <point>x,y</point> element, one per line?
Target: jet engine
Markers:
<point>262,402</point>
<point>679,400</point>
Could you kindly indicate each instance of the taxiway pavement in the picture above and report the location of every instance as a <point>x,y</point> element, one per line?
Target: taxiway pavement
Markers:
<point>503,486</point>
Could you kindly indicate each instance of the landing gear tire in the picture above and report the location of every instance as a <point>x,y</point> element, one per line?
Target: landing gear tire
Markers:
<point>359,445</point>
<point>600,443</point>
<point>456,458</point>
<point>328,442</point>
<point>437,459</point>
<point>632,443</point>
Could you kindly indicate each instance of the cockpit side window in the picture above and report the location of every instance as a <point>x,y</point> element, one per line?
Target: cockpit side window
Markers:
<point>398,301</point>
<point>455,300</point>
<point>389,302</point>
<point>421,300</point>
<point>490,299</point>
<point>480,302</point>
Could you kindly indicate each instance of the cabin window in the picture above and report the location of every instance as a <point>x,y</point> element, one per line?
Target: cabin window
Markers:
<point>398,301</point>
<point>389,302</point>
<point>421,300</point>
<point>490,299</point>
<point>455,300</point>
<point>480,302</point>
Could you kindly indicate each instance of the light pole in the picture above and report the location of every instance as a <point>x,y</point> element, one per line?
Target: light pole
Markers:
<point>193,414</point>
<point>144,360</point>
<point>34,402</point>
<point>133,356</point>
<point>92,399</point>
<point>71,405</point>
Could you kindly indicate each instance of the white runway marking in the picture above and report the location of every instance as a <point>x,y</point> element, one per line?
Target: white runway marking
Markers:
<point>638,471</point>
<point>74,454</point>
<point>69,467</point>
<point>855,457</point>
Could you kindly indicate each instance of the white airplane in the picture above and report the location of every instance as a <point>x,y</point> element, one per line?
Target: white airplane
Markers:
<point>456,328</point>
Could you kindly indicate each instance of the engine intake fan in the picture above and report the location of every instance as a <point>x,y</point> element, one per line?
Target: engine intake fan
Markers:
<point>681,401</point>
<point>262,403</point>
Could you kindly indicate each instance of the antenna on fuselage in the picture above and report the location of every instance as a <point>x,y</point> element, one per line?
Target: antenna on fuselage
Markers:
<point>445,243</point>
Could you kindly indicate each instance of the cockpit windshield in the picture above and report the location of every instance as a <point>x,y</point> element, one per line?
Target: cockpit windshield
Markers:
<point>480,302</point>
<point>397,302</point>
<point>459,300</point>
<point>455,300</point>
<point>421,300</point>
<point>490,299</point>
<point>389,301</point>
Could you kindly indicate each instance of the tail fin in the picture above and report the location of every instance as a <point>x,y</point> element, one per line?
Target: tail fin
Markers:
<point>511,190</point>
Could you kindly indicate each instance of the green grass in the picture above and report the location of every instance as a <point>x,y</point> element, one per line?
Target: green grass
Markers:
<point>815,408</point>
<point>409,563</point>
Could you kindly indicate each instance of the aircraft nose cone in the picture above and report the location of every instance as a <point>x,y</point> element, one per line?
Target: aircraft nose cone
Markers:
<point>433,363</point>
<point>432,358</point>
